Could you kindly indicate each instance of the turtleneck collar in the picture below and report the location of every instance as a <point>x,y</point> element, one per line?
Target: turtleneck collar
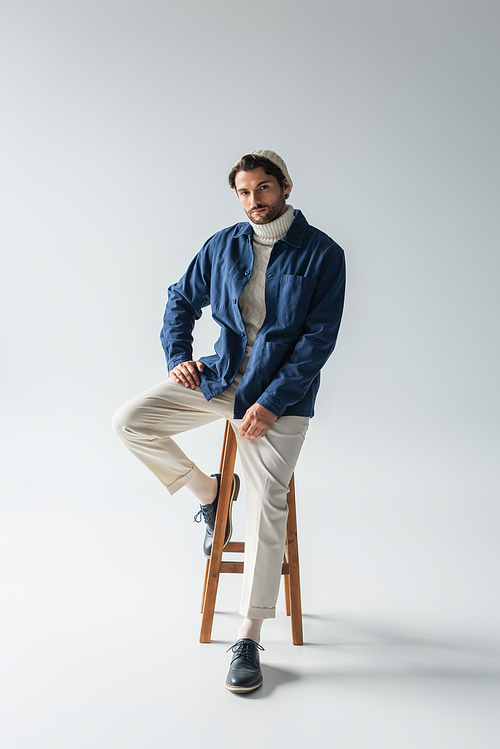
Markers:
<point>276,229</point>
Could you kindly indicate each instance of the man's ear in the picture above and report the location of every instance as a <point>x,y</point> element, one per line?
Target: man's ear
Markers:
<point>286,189</point>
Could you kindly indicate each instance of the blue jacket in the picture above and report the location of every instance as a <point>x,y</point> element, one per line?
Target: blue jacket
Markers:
<point>304,300</point>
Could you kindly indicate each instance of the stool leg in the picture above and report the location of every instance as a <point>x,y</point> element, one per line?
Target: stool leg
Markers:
<point>292,552</point>
<point>204,586</point>
<point>286,582</point>
<point>214,563</point>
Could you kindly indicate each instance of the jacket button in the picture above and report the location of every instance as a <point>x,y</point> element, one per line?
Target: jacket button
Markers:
<point>270,275</point>
<point>247,273</point>
<point>234,301</point>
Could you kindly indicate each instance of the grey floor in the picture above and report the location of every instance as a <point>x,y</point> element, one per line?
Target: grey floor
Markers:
<point>100,649</point>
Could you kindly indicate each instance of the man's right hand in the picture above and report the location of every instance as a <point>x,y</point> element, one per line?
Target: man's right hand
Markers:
<point>187,373</point>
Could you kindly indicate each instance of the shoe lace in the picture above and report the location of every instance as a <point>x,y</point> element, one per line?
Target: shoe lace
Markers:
<point>204,513</point>
<point>244,648</point>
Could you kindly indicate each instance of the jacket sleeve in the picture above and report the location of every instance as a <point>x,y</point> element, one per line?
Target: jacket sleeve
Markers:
<point>316,343</point>
<point>185,302</point>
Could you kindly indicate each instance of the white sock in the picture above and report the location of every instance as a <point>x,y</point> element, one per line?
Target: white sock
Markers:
<point>250,629</point>
<point>203,487</point>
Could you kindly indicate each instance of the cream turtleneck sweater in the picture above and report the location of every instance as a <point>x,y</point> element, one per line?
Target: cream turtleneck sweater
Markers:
<point>252,302</point>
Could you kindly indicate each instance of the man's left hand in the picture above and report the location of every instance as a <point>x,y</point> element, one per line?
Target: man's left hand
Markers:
<point>256,422</point>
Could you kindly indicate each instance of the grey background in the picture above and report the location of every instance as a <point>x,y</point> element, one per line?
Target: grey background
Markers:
<point>120,122</point>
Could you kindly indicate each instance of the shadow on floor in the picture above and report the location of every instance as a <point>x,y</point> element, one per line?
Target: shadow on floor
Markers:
<point>273,678</point>
<point>366,649</point>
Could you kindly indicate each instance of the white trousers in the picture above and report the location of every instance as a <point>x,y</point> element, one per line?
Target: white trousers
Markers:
<point>146,425</point>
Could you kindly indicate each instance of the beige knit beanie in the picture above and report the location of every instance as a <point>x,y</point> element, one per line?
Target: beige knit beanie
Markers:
<point>276,160</point>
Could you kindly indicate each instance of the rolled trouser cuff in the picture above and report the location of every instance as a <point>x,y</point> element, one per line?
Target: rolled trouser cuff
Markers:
<point>253,612</point>
<point>183,480</point>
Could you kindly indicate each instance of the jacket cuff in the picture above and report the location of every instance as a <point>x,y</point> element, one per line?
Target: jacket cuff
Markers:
<point>274,405</point>
<point>171,363</point>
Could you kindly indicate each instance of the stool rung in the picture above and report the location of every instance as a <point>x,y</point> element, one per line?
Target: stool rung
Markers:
<point>238,547</point>
<point>232,567</point>
<point>237,567</point>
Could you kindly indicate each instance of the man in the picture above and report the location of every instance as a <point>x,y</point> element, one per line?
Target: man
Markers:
<point>276,288</point>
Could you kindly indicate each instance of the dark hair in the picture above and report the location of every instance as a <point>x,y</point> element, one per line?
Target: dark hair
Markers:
<point>249,162</point>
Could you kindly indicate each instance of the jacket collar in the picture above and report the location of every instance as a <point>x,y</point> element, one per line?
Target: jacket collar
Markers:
<point>294,236</point>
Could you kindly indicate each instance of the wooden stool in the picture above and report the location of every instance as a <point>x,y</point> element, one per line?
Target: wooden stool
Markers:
<point>215,565</point>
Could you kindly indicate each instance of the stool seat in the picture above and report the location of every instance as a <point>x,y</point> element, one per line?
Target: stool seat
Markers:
<point>216,565</point>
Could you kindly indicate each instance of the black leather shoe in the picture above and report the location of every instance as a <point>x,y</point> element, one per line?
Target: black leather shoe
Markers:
<point>209,512</point>
<point>244,673</point>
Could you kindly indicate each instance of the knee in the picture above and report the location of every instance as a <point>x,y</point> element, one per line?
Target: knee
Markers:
<point>120,422</point>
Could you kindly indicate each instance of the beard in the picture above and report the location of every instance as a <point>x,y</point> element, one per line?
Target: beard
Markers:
<point>272,211</point>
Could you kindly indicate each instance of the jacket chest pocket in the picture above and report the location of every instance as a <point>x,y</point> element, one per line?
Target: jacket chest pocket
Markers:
<point>295,295</point>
